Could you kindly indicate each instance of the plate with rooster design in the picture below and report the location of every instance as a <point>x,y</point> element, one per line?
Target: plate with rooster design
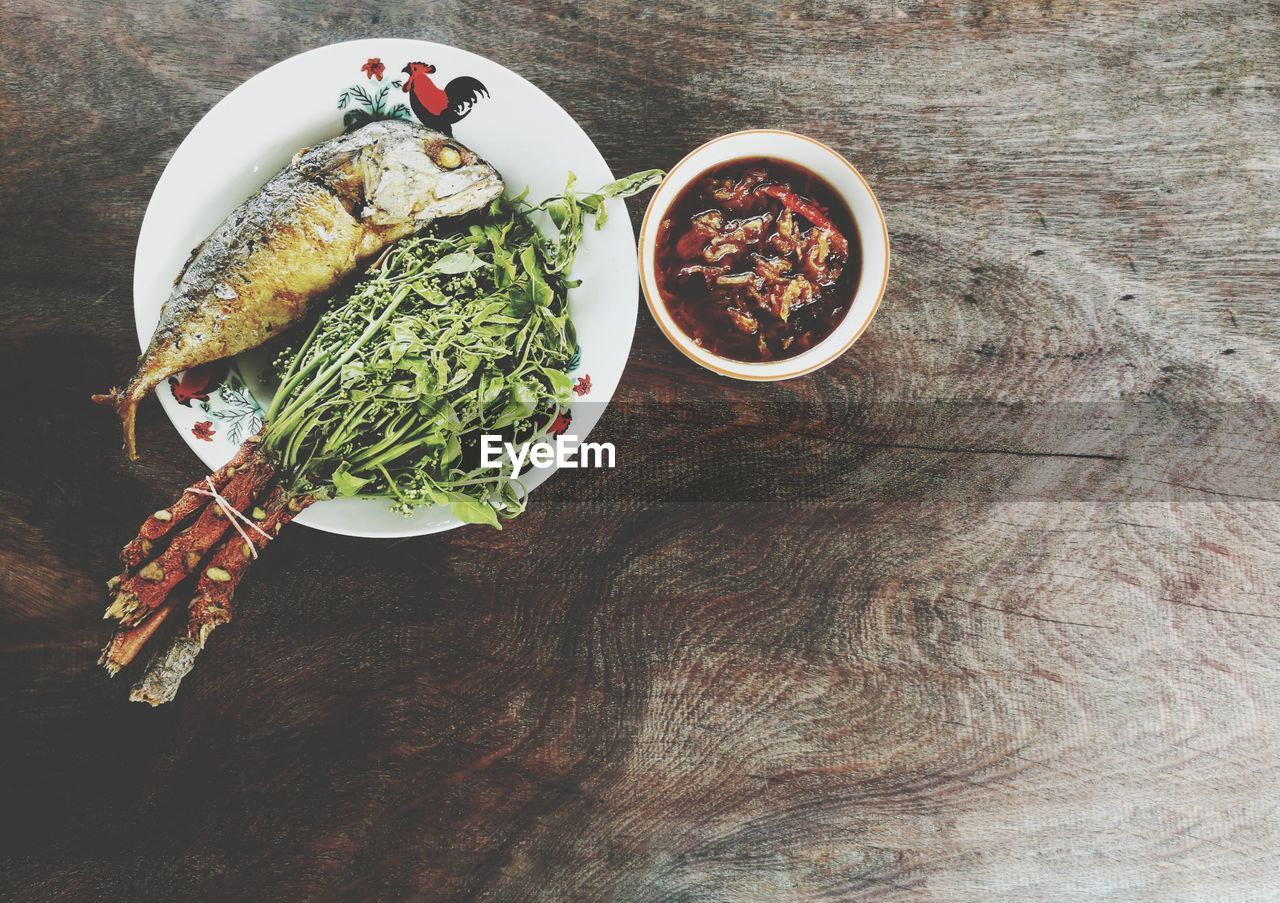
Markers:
<point>255,130</point>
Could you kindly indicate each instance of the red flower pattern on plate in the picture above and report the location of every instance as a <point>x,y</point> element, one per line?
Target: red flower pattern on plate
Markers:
<point>583,385</point>
<point>197,383</point>
<point>560,424</point>
<point>373,68</point>
<point>204,430</point>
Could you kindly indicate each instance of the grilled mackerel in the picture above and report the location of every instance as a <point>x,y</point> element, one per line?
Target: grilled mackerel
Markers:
<point>335,206</point>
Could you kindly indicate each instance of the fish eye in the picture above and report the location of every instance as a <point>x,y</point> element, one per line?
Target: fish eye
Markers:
<point>448,157</point>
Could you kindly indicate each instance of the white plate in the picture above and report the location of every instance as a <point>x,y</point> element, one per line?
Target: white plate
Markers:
<point>253,131</point>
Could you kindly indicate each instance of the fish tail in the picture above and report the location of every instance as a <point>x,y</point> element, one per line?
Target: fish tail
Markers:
<point>126,405</point>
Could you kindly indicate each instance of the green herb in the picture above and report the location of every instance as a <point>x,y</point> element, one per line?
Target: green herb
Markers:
<point>455,334</point>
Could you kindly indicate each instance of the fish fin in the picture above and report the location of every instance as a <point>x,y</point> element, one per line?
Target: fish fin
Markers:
<point>126,405</point>
<point>127,410</point>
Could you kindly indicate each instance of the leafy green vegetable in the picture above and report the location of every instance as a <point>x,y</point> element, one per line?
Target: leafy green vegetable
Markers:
<point>458,332</point>
<point>463,261</point>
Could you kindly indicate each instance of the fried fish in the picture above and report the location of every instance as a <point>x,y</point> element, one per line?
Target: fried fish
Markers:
<point>335,206</point>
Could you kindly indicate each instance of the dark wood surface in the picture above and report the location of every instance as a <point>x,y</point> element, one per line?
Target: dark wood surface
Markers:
<point>983,611</point>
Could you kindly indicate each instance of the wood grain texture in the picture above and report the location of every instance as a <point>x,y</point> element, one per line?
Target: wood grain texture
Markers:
<point>983,611</point>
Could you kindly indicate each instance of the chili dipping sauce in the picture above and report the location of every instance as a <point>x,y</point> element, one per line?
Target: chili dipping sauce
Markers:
<point>757,260</point>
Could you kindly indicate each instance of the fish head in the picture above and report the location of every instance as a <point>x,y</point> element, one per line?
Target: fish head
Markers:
<point>397,176</point>
<point>415,175</point>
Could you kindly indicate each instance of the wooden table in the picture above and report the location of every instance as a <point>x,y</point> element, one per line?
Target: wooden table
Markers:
<point>982,611</point>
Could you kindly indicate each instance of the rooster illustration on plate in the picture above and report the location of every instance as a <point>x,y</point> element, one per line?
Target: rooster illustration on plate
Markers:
<point>439,108</point>
<point>435,107</point>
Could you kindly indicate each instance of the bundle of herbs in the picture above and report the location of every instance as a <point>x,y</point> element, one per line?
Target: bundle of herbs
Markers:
<point>453,333</point>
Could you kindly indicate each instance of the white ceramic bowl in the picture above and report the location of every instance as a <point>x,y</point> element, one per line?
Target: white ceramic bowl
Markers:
<point>840,174</point>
